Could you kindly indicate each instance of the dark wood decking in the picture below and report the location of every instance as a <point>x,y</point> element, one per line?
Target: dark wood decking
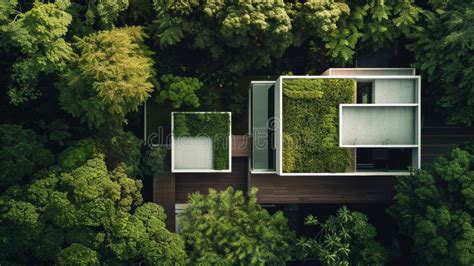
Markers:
<point>323,189</point>
<point>437,141</point>
<point>241,145</point>
<point>189,183</point>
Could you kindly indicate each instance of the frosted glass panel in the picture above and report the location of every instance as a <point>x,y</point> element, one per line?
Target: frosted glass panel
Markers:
<point>378,125</point>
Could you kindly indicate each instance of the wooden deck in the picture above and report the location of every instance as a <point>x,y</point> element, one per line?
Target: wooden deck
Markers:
<point>241,145</point>
<point>189,183</point>
<point>323,189</point>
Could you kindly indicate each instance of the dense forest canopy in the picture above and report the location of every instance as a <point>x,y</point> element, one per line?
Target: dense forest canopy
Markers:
<point>75,75</point>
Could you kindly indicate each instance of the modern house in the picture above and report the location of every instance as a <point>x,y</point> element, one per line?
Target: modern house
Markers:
<point>341,137</point>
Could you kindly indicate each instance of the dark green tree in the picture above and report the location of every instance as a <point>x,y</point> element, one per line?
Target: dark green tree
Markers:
<point>237,34</point>
<point>443,45</point>
<point>226,228</point>
<point>87,215</point>
<point>122,148</point>
<point>156,161</point>
<point>22,153</point>
<point>344,239</point>
<point>179,90</point>
<point>343,26</point>
<point>435,208</point>
<point>108,78</point>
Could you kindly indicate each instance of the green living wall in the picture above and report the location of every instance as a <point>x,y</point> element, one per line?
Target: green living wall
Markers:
<point>310,125</point>
<point>214,125</point>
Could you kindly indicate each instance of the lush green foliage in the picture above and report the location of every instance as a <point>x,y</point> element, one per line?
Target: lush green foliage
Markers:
<point>230,30</point>
<point>226,228</point>
<point>179,90</point>
<point>99,14</point>
<point>443,47</point>
<point>345,239</point>
<point>77,255</point>
<point>122,148</point>
<point>69,216</point>
<point>341,25</point>
<point>213,125</point>
<point>108,78</point>
<point>435,207</point>
<point>39,36</point>
<point>238,34</point>
<point>310,125</point>
<point>156,161</point>
<point>22,152</point>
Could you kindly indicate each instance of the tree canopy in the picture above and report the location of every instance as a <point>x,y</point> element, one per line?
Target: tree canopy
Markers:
<point>22,153</point>
<point>226,228</point>
<point>435,208</point>
<point>86,215</point>
<point>109,77</point>
<point>346,238</point>
<point>38,34</point>
<point>443,45</point>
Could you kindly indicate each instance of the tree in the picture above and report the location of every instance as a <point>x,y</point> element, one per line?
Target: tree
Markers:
<point>342,26</point>
<point>22,153</point>
<point>344,239</point>
<point>122,148</point>
<point>226,228</point>
<point>435,207</point>
<point>38,34</point>
<point>179,90</point>
<point>87,215</point>
<point>109,77</point>
<point>238,34</point>
<point>443,47</point>
<point>77,255</point>
<point>156,161</point>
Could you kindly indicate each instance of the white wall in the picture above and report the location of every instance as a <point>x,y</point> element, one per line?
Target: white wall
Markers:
<point>378,125</point>
<point>394,91</point>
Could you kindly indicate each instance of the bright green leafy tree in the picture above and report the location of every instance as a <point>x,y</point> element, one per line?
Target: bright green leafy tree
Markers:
<point>179,90</point>
<point>238,34</point>
<point>226,228</point>
<point>109,77</point>
<point>77,255</point>
<point>22,152</point>
<point>435,207</point>
<point>38,35</point>
<point>87,215</point>
<point>344,239</point>
<point>443,45</point>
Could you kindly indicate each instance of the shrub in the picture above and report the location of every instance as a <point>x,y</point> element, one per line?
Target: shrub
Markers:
<point>435,208</point>
<point>310,125</point>
<point>214,125</point>
<point>228,228</point>
<point>344,239</point>
<point>157,161</point>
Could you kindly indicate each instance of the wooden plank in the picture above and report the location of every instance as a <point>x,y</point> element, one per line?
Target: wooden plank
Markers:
<point>187,183</point>
<point>277,189</point>
<point>164,195</point>
<point>241,145</point>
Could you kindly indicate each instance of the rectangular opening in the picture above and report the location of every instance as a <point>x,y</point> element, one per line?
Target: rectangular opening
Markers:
<point>262,109</point>
<point>383,159</point>
<point>364,92</point>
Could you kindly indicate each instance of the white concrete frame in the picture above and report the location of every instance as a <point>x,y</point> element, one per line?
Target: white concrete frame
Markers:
<point>173,170</point>
<point>279,132</point>
<point>252,170</point>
